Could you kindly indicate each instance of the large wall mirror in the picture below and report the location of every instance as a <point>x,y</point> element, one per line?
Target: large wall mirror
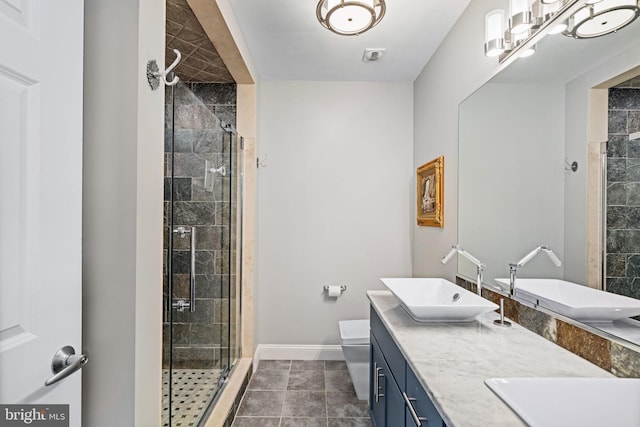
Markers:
<point>520,134</point>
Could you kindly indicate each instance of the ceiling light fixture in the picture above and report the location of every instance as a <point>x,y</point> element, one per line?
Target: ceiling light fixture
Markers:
<point>530,20</point>
<point>603,17</point>
<point>350,17</point>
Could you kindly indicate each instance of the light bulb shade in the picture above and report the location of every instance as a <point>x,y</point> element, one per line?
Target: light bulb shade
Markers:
<point>494,32</point>
<point>601,18</point>
<point>521,19</point>
<point>350,17</point>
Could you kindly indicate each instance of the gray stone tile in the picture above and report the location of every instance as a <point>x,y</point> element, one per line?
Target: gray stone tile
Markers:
<point>261,404</point>
<point>538,322</point>
<point>205,262</point>
<point>194,116</point>
<point>633,123</point>
<point>226,113</point>
<point>624,99</point>
<point>256,422</point>
<point>303,422</point>
<point>208,286</point>
<point>616,217</point>
<point>617,122</point>
<point>206,334</point>
<point>632,190</point>
<point>624,361</point>
<point>332,365</point>
<point>633,148</point>
<point>349,422</point>
<point>306,380</point>
<point>616,194</point>
<point>338,380</point>
<point>194,213</point>
<point>616,170</point>
<point>193,358</point>
<point>304,404</point>
<point>216,93</point>
<point>307,365</point>
<point>182,143</point>
<point>269,380</point>
<point>616,241</point>
<point>203,314</point>
<point>616,265</point>
<point>617,146</point>
<point>342,405</point>
<point>274,364</point>
<point>207,140</point>
<point>632,170</point>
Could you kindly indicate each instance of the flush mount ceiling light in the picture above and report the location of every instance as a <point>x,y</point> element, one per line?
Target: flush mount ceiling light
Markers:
<point>598,18</point>
<point>350,17</point>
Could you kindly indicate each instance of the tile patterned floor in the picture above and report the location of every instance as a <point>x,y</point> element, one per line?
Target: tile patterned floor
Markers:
<point>192,389</point>
<point>301,393</point>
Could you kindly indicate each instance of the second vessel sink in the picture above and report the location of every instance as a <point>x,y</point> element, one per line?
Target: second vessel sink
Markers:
<point>565,402</point>
<point>437,300</point>
<point>575,301</point>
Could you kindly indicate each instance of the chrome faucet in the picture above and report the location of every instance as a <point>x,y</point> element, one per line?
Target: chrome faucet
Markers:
<point>479,266</point>
<point>525,259</point>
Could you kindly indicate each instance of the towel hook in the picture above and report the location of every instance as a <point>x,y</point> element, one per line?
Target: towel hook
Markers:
<point>154,75</point>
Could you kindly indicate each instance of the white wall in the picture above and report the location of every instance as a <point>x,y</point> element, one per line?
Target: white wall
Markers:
<point>457,69</point>
<point>511,177</point>
<point>334,202</point>
<point>122,214</point>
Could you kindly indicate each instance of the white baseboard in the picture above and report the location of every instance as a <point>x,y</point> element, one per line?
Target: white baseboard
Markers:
<point>297,352</point>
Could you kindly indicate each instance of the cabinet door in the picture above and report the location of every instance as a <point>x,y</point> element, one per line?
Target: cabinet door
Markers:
<point>385,399</point>
<point>424,413</point>
<point>376,385</point>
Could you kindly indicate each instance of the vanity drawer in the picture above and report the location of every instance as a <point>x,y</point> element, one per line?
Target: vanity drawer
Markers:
<point>392,354</point>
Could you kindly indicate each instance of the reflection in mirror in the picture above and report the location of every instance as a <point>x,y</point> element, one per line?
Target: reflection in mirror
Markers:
<point>518,137</point>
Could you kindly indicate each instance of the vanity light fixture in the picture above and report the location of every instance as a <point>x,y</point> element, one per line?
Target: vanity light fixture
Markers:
<point>598,18</point>
<point>531,20</point>
<point>350,17</point>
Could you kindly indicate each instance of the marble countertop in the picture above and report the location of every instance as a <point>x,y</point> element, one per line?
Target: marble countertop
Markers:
<point>452,360</point>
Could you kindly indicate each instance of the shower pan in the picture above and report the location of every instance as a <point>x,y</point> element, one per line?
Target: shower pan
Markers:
<point>202,231</point>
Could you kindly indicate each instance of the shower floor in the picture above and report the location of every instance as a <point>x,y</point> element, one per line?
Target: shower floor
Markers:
<point>192,390</point>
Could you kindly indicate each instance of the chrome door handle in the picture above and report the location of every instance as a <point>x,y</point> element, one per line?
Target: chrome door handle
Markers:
<point>65,362</point>
<point>181,304</point>
<point>376,381</point>
<point>416,419</point>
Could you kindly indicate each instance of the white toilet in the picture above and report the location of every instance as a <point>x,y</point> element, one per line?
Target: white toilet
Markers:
<point>354,339</point>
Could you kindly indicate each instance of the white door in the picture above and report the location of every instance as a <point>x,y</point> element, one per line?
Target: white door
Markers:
<point>40,198</point>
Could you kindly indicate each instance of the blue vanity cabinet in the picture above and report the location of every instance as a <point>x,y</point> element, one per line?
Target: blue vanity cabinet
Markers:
<point>396,397</point>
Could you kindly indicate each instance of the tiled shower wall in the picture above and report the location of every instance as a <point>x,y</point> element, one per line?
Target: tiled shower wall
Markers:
<point>623,192</point>
<point>201,339</point>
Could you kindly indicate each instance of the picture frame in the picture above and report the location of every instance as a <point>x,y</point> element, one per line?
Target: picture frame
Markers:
<point>430,193</point>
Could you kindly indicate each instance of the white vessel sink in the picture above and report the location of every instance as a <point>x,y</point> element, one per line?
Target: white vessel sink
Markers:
<point>437,300</point>
<point>567,402</point>
<point>575,301</point>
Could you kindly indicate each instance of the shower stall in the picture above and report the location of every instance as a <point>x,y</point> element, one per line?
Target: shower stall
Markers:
<point>202,235</point>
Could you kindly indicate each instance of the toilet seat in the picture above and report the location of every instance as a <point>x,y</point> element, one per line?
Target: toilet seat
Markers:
<point>354,332</point>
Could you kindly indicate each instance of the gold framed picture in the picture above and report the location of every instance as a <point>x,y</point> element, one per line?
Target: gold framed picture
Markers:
<point>430,194</point>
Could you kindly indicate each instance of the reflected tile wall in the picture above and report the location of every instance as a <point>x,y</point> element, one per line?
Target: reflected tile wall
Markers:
<point>623,193</point>
<point>201,338</point>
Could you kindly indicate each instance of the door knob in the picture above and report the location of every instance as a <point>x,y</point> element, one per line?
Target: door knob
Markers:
<point>65,362</point>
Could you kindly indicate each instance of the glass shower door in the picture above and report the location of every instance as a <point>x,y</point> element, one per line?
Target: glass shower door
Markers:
<point>200,244</point>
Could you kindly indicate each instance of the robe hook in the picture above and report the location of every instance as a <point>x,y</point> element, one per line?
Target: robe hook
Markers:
<point>154,75</point>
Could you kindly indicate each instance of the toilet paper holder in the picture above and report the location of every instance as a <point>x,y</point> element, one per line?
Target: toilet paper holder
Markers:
<point>328,287</point>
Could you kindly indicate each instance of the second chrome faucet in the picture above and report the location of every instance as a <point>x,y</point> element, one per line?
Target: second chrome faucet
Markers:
<point>513,267</point>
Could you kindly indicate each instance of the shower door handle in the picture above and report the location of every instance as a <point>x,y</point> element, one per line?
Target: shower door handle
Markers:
<point>181,304</point>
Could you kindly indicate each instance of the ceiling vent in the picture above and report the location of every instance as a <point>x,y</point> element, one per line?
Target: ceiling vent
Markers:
<point>373,55</point>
